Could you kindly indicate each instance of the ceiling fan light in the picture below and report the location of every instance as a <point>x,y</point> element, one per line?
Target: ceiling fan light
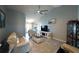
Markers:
<point>38,11</point>
<point>41,12</point>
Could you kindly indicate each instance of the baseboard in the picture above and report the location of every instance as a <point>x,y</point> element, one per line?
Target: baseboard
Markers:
<point>59,40</point>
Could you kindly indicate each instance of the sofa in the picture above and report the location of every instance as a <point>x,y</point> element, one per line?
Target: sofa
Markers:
<point>69,49</point>
<point>18,43</point>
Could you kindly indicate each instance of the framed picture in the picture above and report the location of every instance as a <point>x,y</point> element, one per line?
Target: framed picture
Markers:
<point>52,21</point>
<point>2,19</point>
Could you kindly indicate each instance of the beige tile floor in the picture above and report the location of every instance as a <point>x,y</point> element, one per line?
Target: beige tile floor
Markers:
<point>47,46</point>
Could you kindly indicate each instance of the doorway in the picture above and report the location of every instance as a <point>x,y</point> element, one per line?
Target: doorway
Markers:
<point>28,26</point>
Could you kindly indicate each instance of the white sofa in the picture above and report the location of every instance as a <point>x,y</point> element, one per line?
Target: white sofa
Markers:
<point>18,44</point>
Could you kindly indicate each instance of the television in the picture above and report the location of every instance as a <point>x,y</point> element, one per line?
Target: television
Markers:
<point>44,28</point>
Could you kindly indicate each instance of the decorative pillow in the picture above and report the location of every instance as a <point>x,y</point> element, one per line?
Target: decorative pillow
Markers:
<point>12,38</point>
<point>22,41</point>
<point>12,35</point>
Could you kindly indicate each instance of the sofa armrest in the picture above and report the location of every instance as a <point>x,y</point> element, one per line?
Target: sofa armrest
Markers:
<point>70,48</point>
<point>22,41</point>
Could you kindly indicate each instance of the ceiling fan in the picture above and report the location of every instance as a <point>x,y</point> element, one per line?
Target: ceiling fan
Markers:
<point>41,11</point>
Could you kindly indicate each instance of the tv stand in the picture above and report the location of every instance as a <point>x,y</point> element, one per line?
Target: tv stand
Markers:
<point>46,34</point>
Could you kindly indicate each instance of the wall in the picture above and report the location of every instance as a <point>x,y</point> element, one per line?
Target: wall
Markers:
<point>78,11</point>
<point>63,15</point>
<point>15,22</point>
<point>2,30</point>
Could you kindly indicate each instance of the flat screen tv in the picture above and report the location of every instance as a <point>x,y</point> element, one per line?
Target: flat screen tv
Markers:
<point>44,28</point>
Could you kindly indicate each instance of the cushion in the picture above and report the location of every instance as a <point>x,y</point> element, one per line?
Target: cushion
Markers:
<point>12,35</point>
<point>22,41</point>
<point>12,39</point>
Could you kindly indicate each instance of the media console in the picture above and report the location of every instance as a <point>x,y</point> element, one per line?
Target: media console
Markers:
<point>46,34</point>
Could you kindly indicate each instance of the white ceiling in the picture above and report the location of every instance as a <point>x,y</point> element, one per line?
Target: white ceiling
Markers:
<point>30,9</point>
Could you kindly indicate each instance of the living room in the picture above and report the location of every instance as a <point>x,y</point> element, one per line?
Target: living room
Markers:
<point>40,15</point>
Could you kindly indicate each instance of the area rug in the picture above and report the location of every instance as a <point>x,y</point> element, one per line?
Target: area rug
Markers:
<point>48,46</point>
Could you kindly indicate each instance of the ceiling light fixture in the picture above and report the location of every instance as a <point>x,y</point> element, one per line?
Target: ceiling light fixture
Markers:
<point>41,11</point>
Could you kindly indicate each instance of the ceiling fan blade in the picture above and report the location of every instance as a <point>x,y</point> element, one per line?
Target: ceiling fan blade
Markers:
<point>43,13</point>
<point>43,10</point>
